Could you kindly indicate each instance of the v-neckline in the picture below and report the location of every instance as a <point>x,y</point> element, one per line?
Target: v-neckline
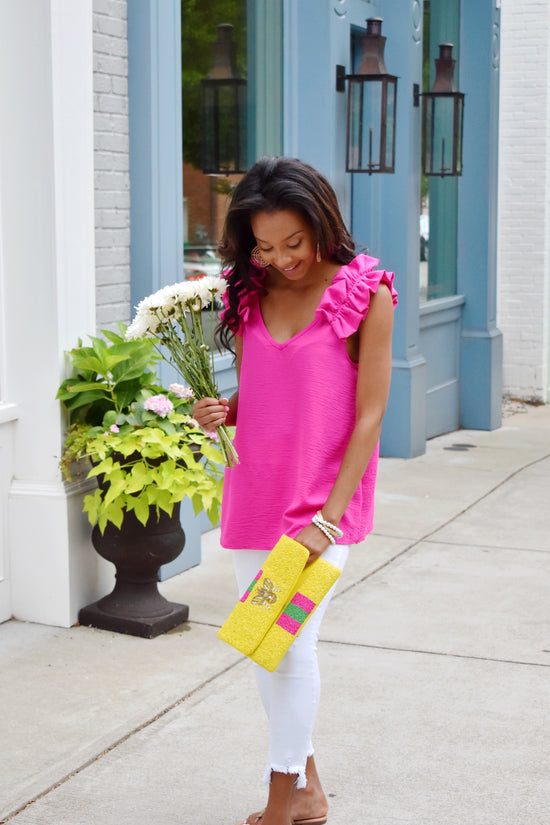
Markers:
<point>282,344</point>
<point>300,332</point>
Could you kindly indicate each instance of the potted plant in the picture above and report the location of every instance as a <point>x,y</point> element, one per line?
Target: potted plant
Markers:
<point>147,454</point>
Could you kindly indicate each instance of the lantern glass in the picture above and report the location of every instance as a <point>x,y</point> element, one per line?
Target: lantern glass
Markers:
<point>223,126</point>
<point>371,123</point>
<point>442,134</point>
<point>390,125</point>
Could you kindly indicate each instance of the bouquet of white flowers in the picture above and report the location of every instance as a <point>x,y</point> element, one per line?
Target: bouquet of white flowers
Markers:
<point>173,316</point>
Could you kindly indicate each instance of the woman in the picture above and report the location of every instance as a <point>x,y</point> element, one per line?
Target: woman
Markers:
<point>311,325</point>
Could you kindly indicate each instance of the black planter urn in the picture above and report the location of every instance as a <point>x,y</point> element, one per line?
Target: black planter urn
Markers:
<point>135,606</point>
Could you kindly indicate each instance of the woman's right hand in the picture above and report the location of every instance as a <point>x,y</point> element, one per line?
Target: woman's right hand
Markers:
<point>211,412</point>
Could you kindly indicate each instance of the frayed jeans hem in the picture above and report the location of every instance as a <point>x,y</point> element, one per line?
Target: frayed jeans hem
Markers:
<point>300,772</point>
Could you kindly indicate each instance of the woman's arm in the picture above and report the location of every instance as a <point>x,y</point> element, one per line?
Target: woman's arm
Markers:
<point>373,385</point>
<point>212,412</point>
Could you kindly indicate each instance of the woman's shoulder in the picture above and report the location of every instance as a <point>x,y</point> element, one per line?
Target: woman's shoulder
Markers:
<point>346,301</point>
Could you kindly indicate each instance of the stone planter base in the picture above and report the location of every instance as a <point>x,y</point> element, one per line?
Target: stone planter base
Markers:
<point>95,615</point>
<point>135,606</point>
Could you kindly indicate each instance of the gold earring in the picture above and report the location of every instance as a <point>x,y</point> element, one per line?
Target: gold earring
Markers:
<point>318,255</point>
<point>256,258</point>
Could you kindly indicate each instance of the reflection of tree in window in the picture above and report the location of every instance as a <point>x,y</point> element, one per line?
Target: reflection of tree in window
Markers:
<point>439,196</point>
<point>205,196</point>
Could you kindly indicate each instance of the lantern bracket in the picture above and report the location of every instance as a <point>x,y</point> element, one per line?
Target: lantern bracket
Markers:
<point>341,78</point>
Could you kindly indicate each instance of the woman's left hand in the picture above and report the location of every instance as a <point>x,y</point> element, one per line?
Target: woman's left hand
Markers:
<point>315,541</point>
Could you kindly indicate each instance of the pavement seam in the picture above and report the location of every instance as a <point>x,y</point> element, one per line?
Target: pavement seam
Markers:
<point>497,547</point>
<point>93,759</point>
<point>431,533</point>
<point>433,653</point>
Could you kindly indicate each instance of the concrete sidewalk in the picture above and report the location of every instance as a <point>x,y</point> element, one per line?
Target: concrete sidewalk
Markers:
<point>435,657</point>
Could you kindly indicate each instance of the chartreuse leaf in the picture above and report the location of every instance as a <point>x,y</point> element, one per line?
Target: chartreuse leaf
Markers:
<point>92,503</point>
<point>165,501</point>
<point>113,513</point>
<point>137,478</point>
<point>116,486</point>
<point>142,510</point>
<point>166,473</point>
<point>211,452</point>
<point>104,466</point>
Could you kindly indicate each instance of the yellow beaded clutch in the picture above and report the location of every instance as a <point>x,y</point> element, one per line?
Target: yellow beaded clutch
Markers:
<point>278,603</point>
<point>263,601</point>
<point>314,583</point>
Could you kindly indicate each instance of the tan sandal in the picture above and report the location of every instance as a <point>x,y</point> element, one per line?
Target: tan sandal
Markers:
<point>316,820</point>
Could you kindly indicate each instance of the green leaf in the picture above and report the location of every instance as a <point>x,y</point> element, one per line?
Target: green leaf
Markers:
<point>166,426</point>
<point>83,386</point>
<point>142,510</point>
<point>116,487</point>
<point>91,505</point>
<point>137,478</point>
<point>83,361</point>
<point>166,473</point>
<point>165,501</point>
<point>104,467</point>
<point>111,336</point>
<point>83,399</point>
<point>109,418</point>
<point>113,513</point>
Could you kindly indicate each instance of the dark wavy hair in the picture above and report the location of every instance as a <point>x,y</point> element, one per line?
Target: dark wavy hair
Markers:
<point>271,185</point>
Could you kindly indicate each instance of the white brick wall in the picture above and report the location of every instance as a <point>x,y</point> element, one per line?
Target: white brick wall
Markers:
<point>112,176</point>
<point>524,197</point>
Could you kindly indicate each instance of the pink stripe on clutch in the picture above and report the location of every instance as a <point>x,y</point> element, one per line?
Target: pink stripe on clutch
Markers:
<point>302,601</point>
<point>288,624</point>
<point>249,590</point>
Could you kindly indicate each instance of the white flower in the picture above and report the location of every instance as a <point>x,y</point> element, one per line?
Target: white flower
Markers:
<point>180,391</point>
<point>159,315</point>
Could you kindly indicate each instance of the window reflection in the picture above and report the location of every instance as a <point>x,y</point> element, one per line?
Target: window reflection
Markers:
<point>205,195</point>
<point>439,196</point>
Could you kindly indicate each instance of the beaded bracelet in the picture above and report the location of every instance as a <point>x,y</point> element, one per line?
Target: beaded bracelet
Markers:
<point>324,530</point>
<point>330,530</point>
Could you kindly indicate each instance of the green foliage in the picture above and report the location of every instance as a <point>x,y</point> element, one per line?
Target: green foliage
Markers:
<point>107,376</point>
<point>146,467</point>
<point>142,459</point>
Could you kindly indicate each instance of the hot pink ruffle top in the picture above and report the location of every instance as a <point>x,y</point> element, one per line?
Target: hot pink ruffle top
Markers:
<point>296,414</point>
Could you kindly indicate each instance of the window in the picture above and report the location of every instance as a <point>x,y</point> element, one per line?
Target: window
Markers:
<point>439,196</point>
<point>205,195</point>
<point>249,38</point>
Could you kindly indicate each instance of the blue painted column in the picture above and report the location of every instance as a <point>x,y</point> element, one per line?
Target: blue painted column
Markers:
<point>156,178</point>
<point>154,88</point>
<point>397,240</point>
<point>481,341</point>
<point>384,208</point>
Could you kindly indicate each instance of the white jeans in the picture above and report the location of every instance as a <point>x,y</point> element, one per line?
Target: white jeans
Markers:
<point>290,695</point>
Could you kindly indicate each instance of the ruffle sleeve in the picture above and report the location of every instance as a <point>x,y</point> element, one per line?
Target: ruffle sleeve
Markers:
<point>247,301</point>
<point>346,301</point>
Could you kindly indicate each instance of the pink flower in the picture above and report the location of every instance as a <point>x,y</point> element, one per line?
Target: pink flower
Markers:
<point>114,429</point>
<point>159,404</point>
<point>181,392</point>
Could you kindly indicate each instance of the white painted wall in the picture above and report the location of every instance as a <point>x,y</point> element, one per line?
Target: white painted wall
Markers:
<point>47,232</point>
<point>524,197</point>
<point>111,162</point>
